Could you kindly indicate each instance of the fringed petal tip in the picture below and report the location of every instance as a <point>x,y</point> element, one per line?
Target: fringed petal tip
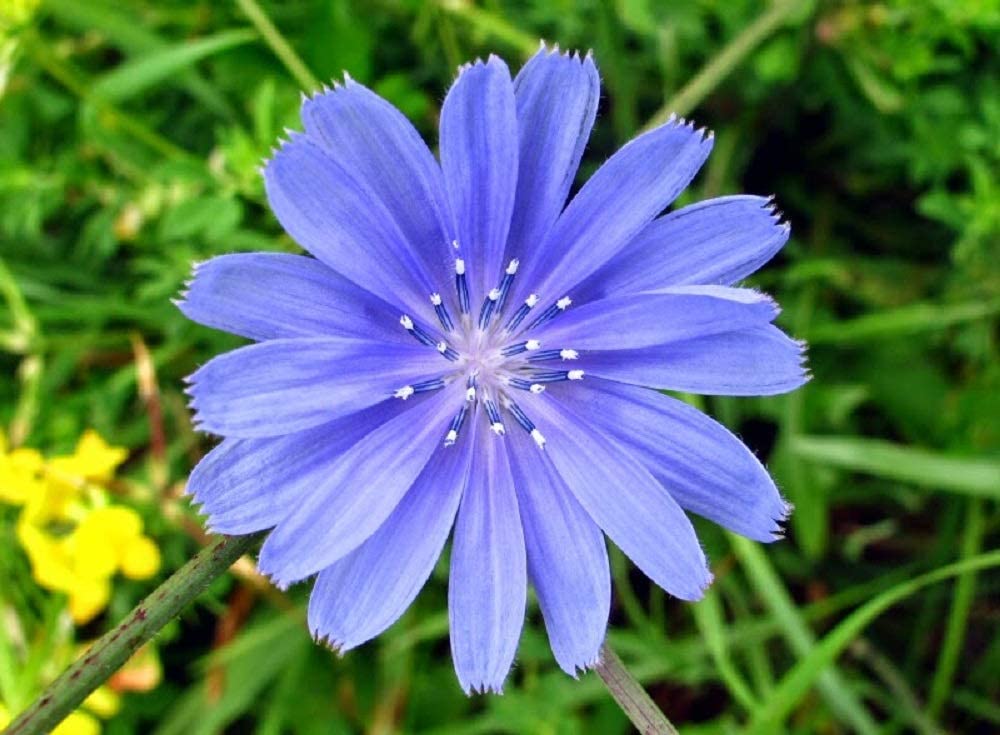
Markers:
<point>553,50</point>
<point>330,642</point>
<point>576,670</point>
<point>481,687</point>
<point>491,61</point>
<point>279,150</point>
<point>777,215</point>
<point>675,121</point>
<point>777,531</point>
<point>327,88</point>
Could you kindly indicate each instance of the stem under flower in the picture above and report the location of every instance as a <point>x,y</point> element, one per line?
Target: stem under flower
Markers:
<point>114,648</point>
<point>630,696</point>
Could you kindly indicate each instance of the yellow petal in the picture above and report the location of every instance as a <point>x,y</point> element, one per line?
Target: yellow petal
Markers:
<point>94,459</point>
<point>50,565</point>
<point>141,559</point>
<point>78,723</point>
<point>19,476</point>
<point>103,702</point>
<point>87,598</point>
<point>4,714</point>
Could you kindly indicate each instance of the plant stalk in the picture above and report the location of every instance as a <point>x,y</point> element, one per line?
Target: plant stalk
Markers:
<point>113,649</point>
<point>630,696</point>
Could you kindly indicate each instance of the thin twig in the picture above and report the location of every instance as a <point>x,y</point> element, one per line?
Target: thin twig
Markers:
<point>279,45</point>
<point>721,66</point>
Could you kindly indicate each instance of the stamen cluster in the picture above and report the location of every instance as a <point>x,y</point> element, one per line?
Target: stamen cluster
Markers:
<point>493,356</point>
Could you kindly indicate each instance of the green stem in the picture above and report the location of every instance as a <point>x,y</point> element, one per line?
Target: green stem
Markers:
<point>114,648</point>
<point>279,45</point>
<point>630,696</point>
<point>965,590</point>
<point>832,686</point>
<point>720,67</point>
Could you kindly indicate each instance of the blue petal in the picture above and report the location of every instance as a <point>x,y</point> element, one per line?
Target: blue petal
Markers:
<point>338,219</point>
<point>364,593</point>
<point>618,201</point>
<point>557,96</point>
<point>487,588</point>
<point>759,361</point>
<point>272,295</point>
<point>625,500</point>
<point>360,491</point>
<point>706,469</point>
<point>247,485</point>
<point>670,315</point>
<point>567,558</point>
<point>287,385</point>
<point>717,241</point>
<point>374,141</point>
<point>479,159</point>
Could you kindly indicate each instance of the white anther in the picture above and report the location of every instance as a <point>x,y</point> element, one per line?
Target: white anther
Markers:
<point>575,375</point>
<point>436,299</point>
<point>459,264</point>
<point>531,300</point>
<point>406,322</point>
<point>494,294</point>
<point>536,388</point>
<point>512,266</point>
<point>568,354</point>
<point>442,347</point>
<point>405,392</point>
<point>470,393</point>
<point>497,428</point>
<point>451,438</point>
<point>564,302</point>
<point>539,439</point>
<point>532,344</point>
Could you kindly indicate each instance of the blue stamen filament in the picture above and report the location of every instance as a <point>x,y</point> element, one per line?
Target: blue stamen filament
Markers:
<point>521,313</point>
<point>552,312</point>
<point>556,376</point>
<point>543,355</point>
<point>442,313</point>
<point>516,349</point>
<point>424,386</point>
<point>421,334</point>
<point>505,284</point>
<point>496,423</point>
<point>447,350</point>
<point>462,286</point>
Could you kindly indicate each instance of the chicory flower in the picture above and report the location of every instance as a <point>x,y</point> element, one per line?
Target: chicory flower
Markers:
<point>465,353</point>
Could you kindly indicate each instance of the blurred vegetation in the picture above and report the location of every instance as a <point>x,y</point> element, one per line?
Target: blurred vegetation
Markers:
<point>130,137</point>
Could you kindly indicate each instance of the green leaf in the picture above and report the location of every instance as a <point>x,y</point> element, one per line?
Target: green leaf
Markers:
<point>910,319</point>
<point>969,475</point>
<point>137,75</point>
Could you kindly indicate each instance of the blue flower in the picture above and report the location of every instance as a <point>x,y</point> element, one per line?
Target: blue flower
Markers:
<point>466,351</point>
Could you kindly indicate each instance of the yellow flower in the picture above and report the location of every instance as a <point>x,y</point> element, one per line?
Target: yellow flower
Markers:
<point>4,717</point>
<point>82,563</point>
<point>20,477</point>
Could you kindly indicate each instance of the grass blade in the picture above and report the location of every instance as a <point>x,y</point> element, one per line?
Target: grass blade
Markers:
<point>146,71</point>
<point>809,669</point>
<point>968,475</point>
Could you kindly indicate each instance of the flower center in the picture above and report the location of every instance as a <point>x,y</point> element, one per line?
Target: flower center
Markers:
<point>492,353</point>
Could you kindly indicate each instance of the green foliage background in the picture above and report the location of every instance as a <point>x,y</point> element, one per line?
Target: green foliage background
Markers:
<point>130,137</point>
